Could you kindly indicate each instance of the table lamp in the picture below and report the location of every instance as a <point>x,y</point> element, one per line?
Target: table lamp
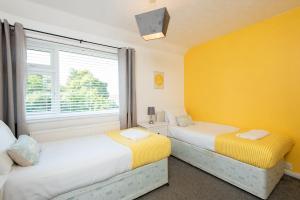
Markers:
<point>151,112</point>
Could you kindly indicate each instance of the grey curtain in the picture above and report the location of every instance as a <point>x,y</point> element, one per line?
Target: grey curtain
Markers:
<point>12,77</point>
<point>128,115</point>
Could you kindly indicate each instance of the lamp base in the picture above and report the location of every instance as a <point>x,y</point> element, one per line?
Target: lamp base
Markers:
<point>151,121</point>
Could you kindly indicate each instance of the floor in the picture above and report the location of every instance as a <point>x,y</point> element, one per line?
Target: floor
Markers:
<point>189,183</point>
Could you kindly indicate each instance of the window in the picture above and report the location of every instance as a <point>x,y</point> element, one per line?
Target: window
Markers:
<point>65,80</point>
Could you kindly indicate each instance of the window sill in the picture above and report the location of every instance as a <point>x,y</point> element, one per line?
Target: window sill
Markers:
<point>55,118</point>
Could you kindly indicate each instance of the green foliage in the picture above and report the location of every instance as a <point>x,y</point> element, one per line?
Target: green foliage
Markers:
<point>38,97</point>
<point>82,93</point>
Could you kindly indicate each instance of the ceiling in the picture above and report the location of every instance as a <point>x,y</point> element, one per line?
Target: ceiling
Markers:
<point>192,21</point>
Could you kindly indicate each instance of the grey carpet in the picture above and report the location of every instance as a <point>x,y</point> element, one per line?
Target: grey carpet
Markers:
<point>190,183</point>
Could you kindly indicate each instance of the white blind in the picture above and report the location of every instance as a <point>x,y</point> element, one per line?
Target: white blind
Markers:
<point>87,83</point>
<point>38,93</point>
<point>38,57</point>
<point>68,80</point>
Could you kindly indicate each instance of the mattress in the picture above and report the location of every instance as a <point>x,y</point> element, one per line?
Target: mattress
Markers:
<point>257,181</point>
<point>201,134</point>
<point>68,165</point>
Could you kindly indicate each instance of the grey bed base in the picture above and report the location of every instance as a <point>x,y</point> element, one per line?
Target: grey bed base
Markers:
<point>126,186</point>
<point>257,181</point>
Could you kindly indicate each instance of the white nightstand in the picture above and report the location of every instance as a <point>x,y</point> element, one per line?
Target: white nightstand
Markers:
<point>157,127</point>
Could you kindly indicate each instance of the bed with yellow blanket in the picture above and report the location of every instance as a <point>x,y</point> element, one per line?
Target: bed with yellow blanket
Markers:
<point>98,166</point>
<point>255,166</point>
<point>143,163</point>
<point>264,153</point>
<point>144,151</point>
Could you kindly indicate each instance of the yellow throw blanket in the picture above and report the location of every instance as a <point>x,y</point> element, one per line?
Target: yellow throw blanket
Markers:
<point>264,153</point>
<point>148,150</point>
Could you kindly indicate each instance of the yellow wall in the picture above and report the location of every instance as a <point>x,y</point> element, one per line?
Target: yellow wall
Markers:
<point>250,78</point>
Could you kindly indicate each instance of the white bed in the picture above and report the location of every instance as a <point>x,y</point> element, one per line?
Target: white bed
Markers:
<point>89,167</point>
<point>195,144</point>
<point>68,165</point>
<point>200,134</point>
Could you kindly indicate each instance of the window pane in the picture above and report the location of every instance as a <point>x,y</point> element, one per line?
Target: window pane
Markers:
<point>38,93</point>
<point>87,83</point>
<point>61,83</point>
<point>38,57</point>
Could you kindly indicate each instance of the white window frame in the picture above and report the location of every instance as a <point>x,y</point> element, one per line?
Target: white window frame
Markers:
<point>53,70</point>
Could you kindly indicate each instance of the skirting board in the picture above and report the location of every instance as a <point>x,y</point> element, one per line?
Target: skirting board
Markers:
<point>288,170</point>
<point>292,174</point>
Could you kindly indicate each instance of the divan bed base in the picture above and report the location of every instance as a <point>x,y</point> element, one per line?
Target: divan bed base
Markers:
<point>126,186</point>
<point>257,181</point>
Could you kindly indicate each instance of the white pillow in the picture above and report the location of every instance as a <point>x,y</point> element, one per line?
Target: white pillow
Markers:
<point>25,152</point>
<point>184,120</point>
<point>171,115</point>
<point>7,139</point>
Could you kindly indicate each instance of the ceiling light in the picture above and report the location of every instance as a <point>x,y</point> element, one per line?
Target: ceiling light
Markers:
<point>153,24</point>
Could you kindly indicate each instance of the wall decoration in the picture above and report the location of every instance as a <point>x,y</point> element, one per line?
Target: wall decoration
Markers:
<point>159,80</point>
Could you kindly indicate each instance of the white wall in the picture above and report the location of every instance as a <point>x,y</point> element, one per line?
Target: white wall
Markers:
<point>147,62</point>
<point>150,56</point>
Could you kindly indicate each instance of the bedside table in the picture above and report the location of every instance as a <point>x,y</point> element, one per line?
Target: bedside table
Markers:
<point>157,127</point>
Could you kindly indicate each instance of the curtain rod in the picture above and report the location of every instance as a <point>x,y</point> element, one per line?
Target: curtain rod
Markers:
<point>70,38</point>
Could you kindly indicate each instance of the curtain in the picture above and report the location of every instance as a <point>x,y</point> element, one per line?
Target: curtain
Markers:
<point>127,90</point>
<point>12,77</point>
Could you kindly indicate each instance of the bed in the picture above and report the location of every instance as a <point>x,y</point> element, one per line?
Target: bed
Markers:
<point>90,167</point>
<point>196,145</point>
<point>200,134</point>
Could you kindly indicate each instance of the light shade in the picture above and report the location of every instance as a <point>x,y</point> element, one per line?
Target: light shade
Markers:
<point>153,24</point>
<point>151,111</point>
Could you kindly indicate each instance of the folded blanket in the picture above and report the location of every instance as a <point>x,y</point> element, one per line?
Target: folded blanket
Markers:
<point>263,153</point>
<point>134,134</point>
<point>253,134</point>
<point>151,149</point>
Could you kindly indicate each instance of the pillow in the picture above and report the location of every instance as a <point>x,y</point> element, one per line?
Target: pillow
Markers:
<point>184,120</point>
<point>7,139</point>
<point>160,116</point>
<point>25,151</point>
<point>171,115</point>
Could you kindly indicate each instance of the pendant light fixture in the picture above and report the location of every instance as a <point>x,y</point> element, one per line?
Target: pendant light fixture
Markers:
<point>153,24</point>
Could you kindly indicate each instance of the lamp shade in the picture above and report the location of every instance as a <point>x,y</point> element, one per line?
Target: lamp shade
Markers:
<point>153,24</point>
<point>151,110</point>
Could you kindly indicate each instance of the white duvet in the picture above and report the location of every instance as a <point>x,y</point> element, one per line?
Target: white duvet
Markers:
<point>201,134</point>
<point>67,165</point>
